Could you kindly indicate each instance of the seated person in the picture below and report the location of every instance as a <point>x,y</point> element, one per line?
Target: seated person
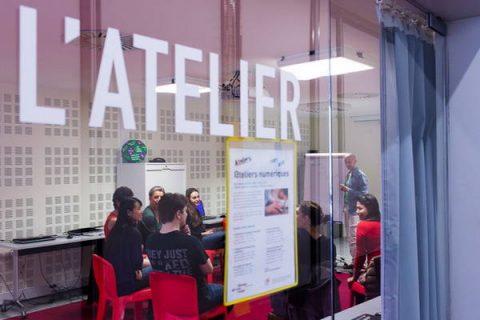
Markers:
<point>368,235</point>
<point>150,221</point>
<point>211,240</point>
<point>173,251</point>
<point>311,298</point>
<point>119,194</point>
<point>123,248</point>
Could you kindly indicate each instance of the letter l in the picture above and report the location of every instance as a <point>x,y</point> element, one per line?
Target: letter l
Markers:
<point>29,110</point>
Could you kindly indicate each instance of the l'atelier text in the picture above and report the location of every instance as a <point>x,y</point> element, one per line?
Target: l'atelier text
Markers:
<point>113,65</point>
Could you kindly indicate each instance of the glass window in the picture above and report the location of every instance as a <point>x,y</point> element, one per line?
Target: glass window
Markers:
<point>86,77</point>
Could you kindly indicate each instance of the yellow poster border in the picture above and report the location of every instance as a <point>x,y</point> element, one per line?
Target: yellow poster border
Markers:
<point>228,141</point>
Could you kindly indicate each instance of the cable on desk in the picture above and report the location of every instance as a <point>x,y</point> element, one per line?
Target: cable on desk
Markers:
<point>7,286</point>
<point>22,273</point>
<point>54,286</point>
<point>72,286</point>
<point>62,252</point>
<point>10,290</point>
<point>50,285</point>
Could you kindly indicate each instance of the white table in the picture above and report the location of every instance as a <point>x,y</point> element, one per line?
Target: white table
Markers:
<point>62,242</point>
<point>368,307</point>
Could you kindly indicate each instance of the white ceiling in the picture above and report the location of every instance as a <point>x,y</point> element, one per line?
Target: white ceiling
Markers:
<point>452,9</point>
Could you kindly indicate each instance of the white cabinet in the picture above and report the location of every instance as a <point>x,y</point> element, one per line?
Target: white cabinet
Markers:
<point>140,177</point>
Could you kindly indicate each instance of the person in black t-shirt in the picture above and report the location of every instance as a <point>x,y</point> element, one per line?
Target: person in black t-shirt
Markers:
<point>175,252</point>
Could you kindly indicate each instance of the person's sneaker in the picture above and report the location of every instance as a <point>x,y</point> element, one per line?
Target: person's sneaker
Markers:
<point>348,266</point>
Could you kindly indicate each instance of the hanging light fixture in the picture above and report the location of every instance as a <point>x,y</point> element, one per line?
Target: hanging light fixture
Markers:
<point>169,86</point>
<point>314,65</point>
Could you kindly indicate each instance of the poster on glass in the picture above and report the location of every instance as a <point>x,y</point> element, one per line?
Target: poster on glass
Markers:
<point>261,233</point>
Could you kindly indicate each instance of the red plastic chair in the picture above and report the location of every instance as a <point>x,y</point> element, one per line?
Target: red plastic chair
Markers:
<point>174,297</point>
<point>107,287</point>
<point>211,255</point>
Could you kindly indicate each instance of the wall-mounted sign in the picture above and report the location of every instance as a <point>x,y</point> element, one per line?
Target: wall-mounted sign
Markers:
<point>261,228</point>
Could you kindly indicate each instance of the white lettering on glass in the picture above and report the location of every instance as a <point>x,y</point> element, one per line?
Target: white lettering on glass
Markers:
<point>112,66</point>
<point>182,125</point>
<point>151,46</point>
<point>112,59</point>
<point>289,106</point>
<point>29,110</point>
<point>216,128</point>
<point>72,29</point>
<point>243,98</point>
<point>262,101</point>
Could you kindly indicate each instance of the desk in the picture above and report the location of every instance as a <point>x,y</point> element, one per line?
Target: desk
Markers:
<point>213,223</point>
<point>370,307</point>
<point>17,250</point>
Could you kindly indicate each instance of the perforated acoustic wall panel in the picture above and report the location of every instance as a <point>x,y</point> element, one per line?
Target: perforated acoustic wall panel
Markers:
<point>57,178</point>
<point>17,164</point>
<point>40,177</point>
<point>72,110</point>
<point>9,116</point>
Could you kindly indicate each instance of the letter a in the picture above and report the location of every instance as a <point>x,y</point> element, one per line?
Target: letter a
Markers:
<point>112,58</point>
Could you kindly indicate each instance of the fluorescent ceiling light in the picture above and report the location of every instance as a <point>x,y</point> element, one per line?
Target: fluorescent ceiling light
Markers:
<point>171,86</point>
<point>319,68</point>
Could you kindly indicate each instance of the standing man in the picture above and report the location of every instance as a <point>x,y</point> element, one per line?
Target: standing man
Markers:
<point>174,251</point>
<point>356,184</point>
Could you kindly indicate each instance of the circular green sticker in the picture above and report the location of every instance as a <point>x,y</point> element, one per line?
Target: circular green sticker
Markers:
<point>134,151</point>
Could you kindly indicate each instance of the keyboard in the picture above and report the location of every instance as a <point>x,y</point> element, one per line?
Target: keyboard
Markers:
<point>209,217</point>
<point>84,230</point>
<point>33,239</point>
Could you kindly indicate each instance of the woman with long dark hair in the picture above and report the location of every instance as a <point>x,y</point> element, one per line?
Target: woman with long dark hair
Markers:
<point>119,194</point>
<point>194,218</point>
<point>368,233</point>
<point>210,239</point>
<point>123,248</point>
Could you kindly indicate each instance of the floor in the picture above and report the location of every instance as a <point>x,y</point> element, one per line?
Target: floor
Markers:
<point>42,303</point>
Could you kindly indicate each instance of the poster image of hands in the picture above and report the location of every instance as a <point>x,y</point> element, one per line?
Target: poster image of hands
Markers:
<point>261,233</point>
<point>276,201</point>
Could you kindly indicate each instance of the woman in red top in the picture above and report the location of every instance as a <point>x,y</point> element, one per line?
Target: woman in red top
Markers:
<point>368,233</point>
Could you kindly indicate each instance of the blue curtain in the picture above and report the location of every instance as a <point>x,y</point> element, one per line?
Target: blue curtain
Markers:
<point>414,173</point>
